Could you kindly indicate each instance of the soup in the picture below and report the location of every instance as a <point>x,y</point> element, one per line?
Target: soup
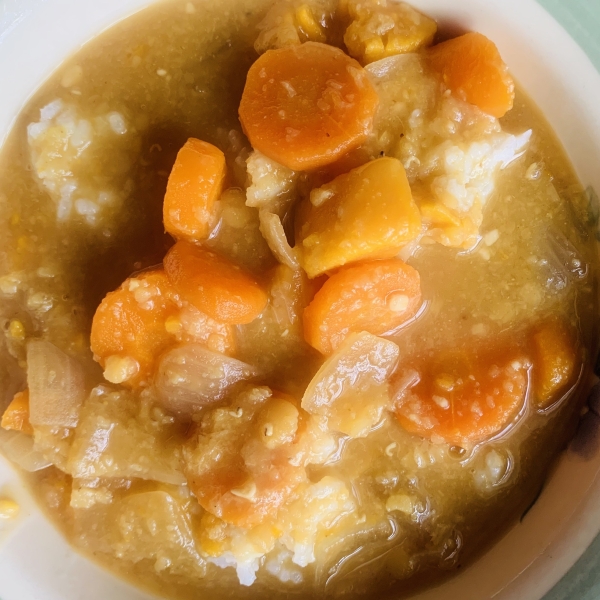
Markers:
<point>349,365</point>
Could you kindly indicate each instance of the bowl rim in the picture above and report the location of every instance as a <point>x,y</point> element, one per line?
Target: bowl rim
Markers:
<point>520,28</point>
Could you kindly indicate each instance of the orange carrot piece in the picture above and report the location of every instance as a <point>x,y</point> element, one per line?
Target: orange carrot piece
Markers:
<point>375,297</point>
<point>213,284</point>
<point>195,183</point>
<point>128,329</point>
<point>472,68</point>
<point>305,106</point>
<point>16,415</point>
<point>464,400</point>
<point>554,361</point>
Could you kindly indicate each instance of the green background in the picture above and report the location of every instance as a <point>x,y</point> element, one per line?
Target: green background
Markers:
<point>581,18</point>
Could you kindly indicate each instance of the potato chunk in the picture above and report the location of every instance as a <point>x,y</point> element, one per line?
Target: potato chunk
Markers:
<point>367,213</point>
<point>119,437</point>
<point>555,357</point>
<point>351,388</point>
<point>155,526</point>
<point>382,28</point>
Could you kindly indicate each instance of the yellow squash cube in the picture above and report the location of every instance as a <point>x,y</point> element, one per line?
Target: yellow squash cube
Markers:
<point>368,213</point>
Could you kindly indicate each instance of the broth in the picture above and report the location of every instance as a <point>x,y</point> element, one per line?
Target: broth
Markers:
<point>422,508</point>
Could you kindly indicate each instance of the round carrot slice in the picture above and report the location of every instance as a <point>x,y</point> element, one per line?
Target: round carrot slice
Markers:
<point>463,399</point>
<point>128,329</point>
<point>472,68</point>
<point>194,185</point>
<point>305,106</point>
<point>213,284</point>
<point>375,297</point>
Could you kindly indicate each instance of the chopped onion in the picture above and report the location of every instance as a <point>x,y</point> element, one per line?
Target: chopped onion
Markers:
<point>56,385</point>
<point>272,230</point>
<point>191,376</point>
<point>18,447</point>
<point>351,389</point>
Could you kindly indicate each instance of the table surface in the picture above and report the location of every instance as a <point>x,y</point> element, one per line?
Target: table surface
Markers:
<point>581,18</point>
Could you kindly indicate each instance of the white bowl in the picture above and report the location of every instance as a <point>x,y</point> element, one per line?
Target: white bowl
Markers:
<point>36,35</point>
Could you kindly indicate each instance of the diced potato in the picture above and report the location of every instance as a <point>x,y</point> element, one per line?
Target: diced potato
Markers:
<point>190,377</point>
<point>353,399</point>
<point>555,356</point>
<point>366,214</point>
<point>382,28</point>
<point>154,525</point>
<point>293,22</point>
<point>118,437</point>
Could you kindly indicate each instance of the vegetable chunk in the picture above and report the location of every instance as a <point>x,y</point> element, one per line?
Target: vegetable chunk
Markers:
<point>375,297</point>
<point>472,68</point>
<point>194,185</point>
<point>235,475</point>
<point>305,106</point>
<point>293,22</point>
<point>368,213</point>
<point>213,284</point>
<point>464,399</point>
<point>555,356</point>
<point>16,415</point>
<point>129,328</point>
<point>190,377</point>
<point>351,389</point>
<point>382,29</point>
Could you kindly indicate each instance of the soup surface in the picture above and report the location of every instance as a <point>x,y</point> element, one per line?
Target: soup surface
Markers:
<point>351,361</point>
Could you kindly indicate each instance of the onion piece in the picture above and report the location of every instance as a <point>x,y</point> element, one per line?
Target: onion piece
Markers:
<point>351,388</point>
<point>56,385</point>
<point>18,448</point>
<point>191,377</point>
<point>121,436</point>
<point>272,230</point>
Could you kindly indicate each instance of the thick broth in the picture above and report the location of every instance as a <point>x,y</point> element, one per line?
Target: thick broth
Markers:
<point>176,70</point>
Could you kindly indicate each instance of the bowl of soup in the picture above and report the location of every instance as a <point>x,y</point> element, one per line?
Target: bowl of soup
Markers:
<point>298,299</point>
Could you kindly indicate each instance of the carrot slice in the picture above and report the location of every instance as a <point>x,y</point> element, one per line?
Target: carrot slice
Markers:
<point>239,463</point>
<point>195,183</point>
<point>128,329</point>
<point>472,68</point>
<point>464,399</point>
<point>366,214</point>
<point>554,361</point>
<point>213,284</point>
<point>305,106</point>
<point>16,415</point>
<point>375,297</point>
